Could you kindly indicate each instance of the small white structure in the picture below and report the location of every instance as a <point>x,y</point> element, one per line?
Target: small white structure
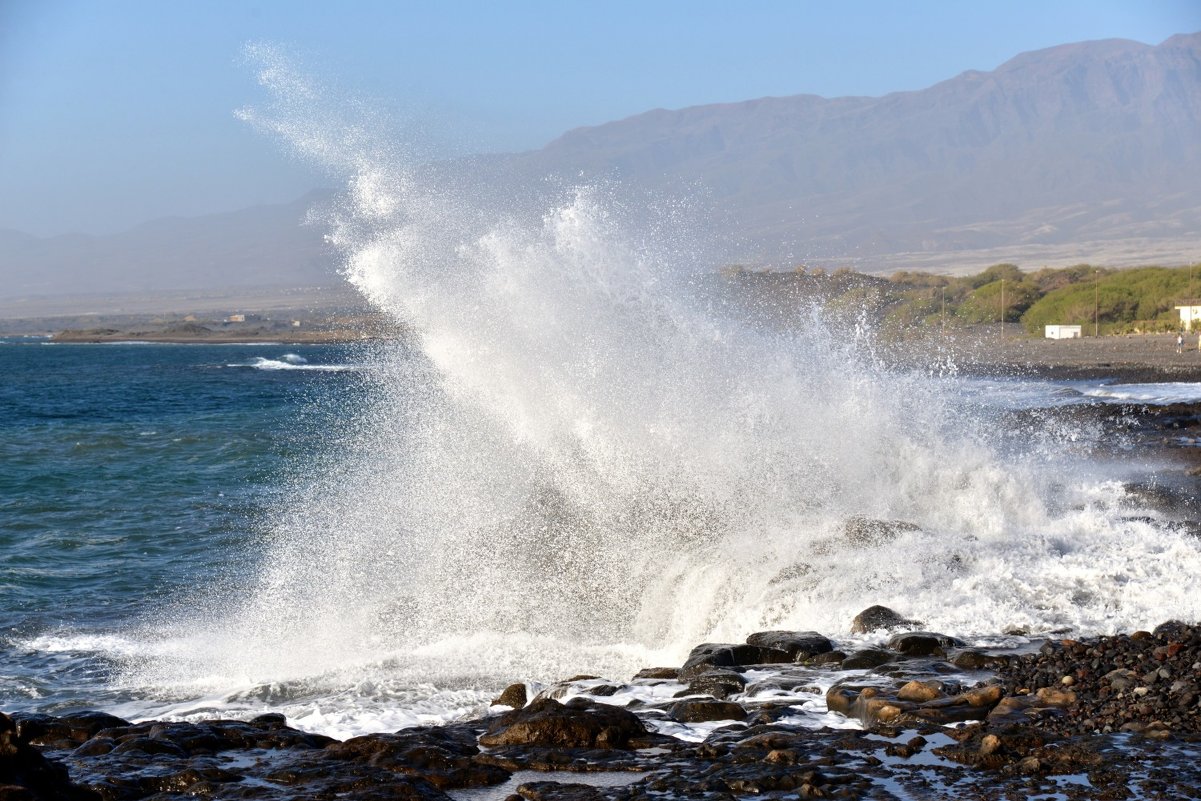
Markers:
<point>1189,315</point>
<point>1063,332</point>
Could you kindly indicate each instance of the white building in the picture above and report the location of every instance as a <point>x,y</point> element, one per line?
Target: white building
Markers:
<point>1063,332</point>
<point>1189,315</point>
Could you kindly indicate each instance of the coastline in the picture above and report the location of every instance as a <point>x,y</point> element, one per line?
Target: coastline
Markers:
<point>1142,358</point>
<point>1104,718</point>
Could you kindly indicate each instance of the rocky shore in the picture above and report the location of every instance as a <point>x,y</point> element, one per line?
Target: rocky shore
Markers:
<point>1108,718</point>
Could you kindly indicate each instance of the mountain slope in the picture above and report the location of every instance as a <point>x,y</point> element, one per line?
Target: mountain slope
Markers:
<point>1083,142</point>
<point>260,246</point>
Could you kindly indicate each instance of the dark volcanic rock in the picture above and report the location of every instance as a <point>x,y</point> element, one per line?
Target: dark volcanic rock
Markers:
<point>699,711</point>
<point>25,773</point>
<point>879,617</point>
<point>867,658</point>
<point>717,683</point>
<point>578,724</point>
<point>1148,683</point>
<point>922,643</point>
<point>799,645</point>
<point>441,755</point>
<point>710,655</point>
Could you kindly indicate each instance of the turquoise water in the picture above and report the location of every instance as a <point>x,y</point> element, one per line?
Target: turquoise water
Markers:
<point>136,475</point>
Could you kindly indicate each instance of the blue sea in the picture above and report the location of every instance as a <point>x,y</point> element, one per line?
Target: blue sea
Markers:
<point>131,476</point>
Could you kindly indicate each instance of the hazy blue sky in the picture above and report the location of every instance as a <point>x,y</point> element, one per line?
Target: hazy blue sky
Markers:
<point>117,111</point>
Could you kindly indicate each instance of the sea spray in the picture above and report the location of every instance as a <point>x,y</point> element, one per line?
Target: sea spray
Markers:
<point>576,464</point>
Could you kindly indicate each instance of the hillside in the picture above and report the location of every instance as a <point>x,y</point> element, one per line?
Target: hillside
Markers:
<point>1084,150</point>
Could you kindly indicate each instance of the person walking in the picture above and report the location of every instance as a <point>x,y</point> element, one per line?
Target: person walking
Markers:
<point>1180,343</point>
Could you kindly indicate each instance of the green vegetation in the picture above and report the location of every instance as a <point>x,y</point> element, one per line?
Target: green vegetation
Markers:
<point>1132,300</point>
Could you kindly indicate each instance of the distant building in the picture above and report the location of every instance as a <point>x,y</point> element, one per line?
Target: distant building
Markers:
<point>1063,332</point>
<point>1189,315</point>
<point>236,318</point>
<point>296,323</point>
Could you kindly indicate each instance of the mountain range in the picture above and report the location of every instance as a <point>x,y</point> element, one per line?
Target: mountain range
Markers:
<point>1082,152</point>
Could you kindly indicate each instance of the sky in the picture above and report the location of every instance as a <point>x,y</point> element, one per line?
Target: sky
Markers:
<point>115,112</point>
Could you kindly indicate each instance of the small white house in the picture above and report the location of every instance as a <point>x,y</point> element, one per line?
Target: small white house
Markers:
<point>1063,332</point>
<point>1189,316</point>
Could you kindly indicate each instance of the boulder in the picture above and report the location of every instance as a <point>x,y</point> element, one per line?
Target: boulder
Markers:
<point>717,683</point>
<point>880,617</point>
<point>868,532</point>
<point>710,655</point>
<point>922,643</point>
<point>578,724</point>
<point>867,658</point>
<point>514,695</point>
<point>799,645</point>
<point>700,711</point>
<point>24,772</point>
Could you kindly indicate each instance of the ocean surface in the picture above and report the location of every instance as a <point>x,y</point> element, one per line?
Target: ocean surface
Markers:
<point>146,491</point>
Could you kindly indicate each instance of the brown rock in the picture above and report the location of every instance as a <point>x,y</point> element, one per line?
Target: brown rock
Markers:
<point>514,695</point>
<point>577,724</point>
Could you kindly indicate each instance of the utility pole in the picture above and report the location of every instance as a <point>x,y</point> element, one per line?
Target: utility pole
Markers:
<point>1096,303</point>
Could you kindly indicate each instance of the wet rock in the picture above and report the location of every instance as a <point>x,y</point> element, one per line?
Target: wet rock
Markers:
<point>717,683</point>
<point>706,656</point>
<point>668,673</point>
<point>514,695</point>
<point>577,724</point>
<point>558,791</point>
<point>798,645</point>
<point>699,711</point>
<point>974,659</point>
<point>443,756</point>
<point>867,658</point>
<point>875,618</point>
<point>868,532</point>
<point>919,691</point>
<point>25,772</point>
<point>922,643</point>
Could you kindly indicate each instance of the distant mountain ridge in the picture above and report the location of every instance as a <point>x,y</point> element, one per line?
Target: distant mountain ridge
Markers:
<point>1082,152</point>
<point>1096,141</point>
<point>260,246</point>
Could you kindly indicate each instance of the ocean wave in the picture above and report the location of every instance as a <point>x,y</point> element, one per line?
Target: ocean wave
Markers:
<point>1152,394</point>
<point>291,361</point>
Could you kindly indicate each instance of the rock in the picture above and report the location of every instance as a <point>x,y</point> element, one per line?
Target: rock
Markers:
<point>920,691</point>
<point>442,755</point>
<point>577,724</point>
<point>867,658</point>
<point>25,772</point>
<point>699,711</point>
<point>867,532</point>
<point>514,695</point>
<point>879,617</point>
<point>711,655</point>
<point>922,643</point>
<point>717,683</point>
<point>557,791</point>
<point>972,659</point>
<point>669,673</point>
<point>799,645</point>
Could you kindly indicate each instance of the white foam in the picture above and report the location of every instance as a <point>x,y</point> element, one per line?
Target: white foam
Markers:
<point>293,362</point>
<point>1153,394</point>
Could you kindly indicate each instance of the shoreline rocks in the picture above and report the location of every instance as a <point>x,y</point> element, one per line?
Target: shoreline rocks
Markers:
<point>1122,715</point>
